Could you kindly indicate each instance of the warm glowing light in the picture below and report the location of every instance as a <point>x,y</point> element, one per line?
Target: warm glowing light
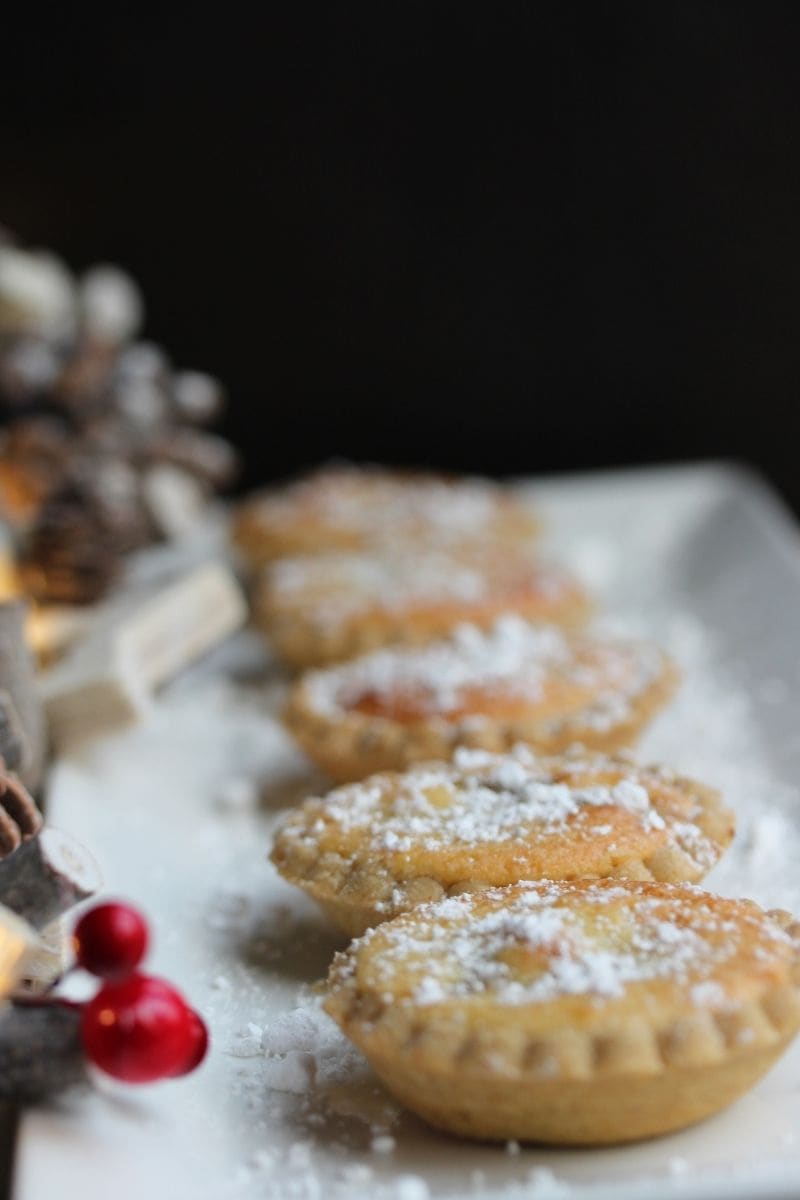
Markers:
<point>10,586</point>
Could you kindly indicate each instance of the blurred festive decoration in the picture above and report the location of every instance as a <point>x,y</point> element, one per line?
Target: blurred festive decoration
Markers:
<point>103,450</point>
<point>136,1028</point>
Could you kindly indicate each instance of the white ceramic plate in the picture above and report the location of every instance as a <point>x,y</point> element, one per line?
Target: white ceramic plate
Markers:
<point>702,558</point>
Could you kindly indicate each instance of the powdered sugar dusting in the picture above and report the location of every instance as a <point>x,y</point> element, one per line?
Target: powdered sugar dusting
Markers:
<point>512,654</point>
<point>481,799</point>
<point>512,658</point>
<point>712,729</point>
<point>377,504</point>
<point>330,588</point>
<point>556,939</point>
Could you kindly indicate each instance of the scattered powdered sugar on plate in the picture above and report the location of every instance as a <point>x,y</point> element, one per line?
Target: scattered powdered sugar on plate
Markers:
<point>711,728</point>
<point>637,557</point>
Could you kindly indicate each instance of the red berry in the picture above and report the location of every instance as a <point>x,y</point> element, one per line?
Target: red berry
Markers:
<point>199,1043</point>
<point>138,1029</point>
<point>110,940</point>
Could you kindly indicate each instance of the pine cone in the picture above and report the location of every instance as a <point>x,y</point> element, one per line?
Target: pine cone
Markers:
<point>71,556</point>
<point>35,454</point>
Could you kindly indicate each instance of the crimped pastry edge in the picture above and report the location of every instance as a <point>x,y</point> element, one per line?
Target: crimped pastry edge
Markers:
<point>603,1110</point>
<point>437,1045</point>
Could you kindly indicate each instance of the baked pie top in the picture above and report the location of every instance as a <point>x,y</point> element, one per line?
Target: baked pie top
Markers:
<point>348,506</point>
<point>562,979</point>
<point>332,590</point>
<point>488,819</point>
<point>512,670</point>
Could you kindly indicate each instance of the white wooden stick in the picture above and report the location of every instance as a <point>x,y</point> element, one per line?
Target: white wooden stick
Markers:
<point>108,680</point>
<point>42,965</point>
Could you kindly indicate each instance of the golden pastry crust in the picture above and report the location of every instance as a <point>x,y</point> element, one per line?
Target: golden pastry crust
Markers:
<point>326,609</point>
<point>490,690</point>
<point>586,1013</point>
<point>342,508</point>
<point>367,852</point>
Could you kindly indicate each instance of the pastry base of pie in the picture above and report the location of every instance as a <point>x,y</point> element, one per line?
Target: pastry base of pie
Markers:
<point>348,743</point>
<point>590,1113</point>
<point>582,1013</point>
<point>358,746</point>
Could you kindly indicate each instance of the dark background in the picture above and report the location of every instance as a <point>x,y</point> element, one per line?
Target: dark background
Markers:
<point>499,236</point>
